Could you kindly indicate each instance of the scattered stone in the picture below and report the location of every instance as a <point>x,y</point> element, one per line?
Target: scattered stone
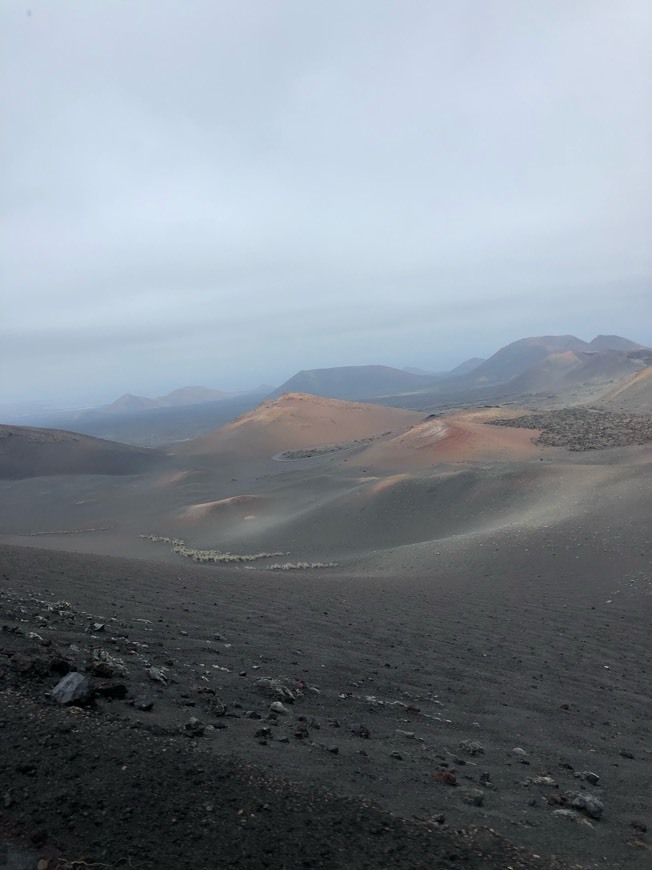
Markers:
<point>183,633</point>
<point>473,796</point>
<point>302,732</point>
<point>73,689</point>
<point>111,689</point>
<point>275,688</point>
<point>115,664</point>
<point>589,776</point>
<point>447,777</point>
<point>283,739</point>
<point>543,780</point>
<point>532,802</point>
<point>565,814</point>
<point>639,826</point>
<point>251,714</point>
<point>219,637</point>
<point>263,732</point>
<point>277,707</point>
<point>397,756</point>
<point>215,707</point>
<point>94,628</point>
<point>625,753</point>
<point>333,749</point>
<point>440,818</point>
<point>472,747</point>
<point>588,803</point>
<point>409,735</point>
<point>334,723</point>
<point>485,780</point>
<point>520,753</point>
<point>143,703</point>
<point>360,730</point>
<point>194,728</point>
<point>157,675</point>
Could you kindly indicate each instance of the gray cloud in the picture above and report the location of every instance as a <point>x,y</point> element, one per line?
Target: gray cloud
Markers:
<point>223,192</point>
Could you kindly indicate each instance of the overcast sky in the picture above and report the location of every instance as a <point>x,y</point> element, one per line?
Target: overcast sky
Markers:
<point>223,193</point>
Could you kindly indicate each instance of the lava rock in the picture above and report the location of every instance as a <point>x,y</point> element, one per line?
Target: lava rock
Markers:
<point>275,688</point>
<point>215,707</point>
<point>277,707</point>
<point>588,803</point>
<point>74,688</point>
<point>472,747</point>
<point>360,730</point>
<point>446,777</point>
<point>194,728</point>
<point>473,796</point>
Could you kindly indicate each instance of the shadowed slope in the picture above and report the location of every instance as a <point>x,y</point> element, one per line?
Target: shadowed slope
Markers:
<point>27,452</point>
<point>633,395</point>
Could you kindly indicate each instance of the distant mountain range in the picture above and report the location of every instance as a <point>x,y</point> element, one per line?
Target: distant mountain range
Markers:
<point>541,366</point>
<point>537,364</point>
<point>176,399</point>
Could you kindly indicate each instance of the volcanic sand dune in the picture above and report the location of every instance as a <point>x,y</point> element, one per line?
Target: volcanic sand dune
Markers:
<point>446,476</point>
<point>382,515</point>
<point>244,506</point>
<point>295,421</point>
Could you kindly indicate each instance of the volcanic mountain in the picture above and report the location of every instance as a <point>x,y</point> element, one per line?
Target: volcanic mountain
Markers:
<point>355,382</point>
<point>298,421</point>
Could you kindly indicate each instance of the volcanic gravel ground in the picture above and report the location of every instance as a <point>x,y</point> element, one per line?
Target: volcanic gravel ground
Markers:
<point>497,691</point>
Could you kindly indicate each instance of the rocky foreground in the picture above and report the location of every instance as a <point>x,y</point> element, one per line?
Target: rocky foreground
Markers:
<point>159,717</point>
<point>84,787</point>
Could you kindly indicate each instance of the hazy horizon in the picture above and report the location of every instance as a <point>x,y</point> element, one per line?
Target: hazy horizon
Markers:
<point>223,194</point>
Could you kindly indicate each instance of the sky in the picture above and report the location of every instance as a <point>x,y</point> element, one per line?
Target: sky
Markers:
<point>224,193</point>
